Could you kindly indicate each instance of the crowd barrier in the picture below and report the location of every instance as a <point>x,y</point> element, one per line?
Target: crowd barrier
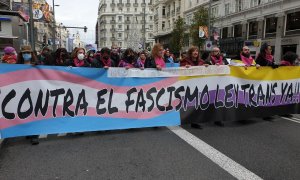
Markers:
<point>48,100</point>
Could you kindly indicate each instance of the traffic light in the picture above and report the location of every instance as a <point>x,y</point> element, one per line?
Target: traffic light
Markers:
<point>85,29</point>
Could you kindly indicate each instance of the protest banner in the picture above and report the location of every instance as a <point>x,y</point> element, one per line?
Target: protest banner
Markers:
<point>48,100</point>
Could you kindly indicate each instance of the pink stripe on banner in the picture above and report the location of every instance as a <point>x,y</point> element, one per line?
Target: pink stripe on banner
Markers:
<point>5,123</point>
<point>33,74</point>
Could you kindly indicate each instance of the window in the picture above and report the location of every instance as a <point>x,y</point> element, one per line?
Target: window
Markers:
<point>293,21</point>
<point>215,11</point>
<point>120,27</point>
<point>150,27</point>
<point>127,27</point>
<point>151,18</point>
<point>120,18</point>
<point>120,44</point>
<point>113,9</point>
<point>227,9</point>
<point>253,28</point>
<point>225,32</point>
<point>271,25</point>
<point>120,35</point>
<point>238,30</point>
<point>163,25</point>
<point>128,9</point>
<point>238,5</point>
<point>135,9</point>
<point>163,10</point>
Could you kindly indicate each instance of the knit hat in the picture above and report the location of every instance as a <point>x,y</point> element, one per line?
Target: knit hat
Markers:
<point>9,50</point>
<point>26,48</point>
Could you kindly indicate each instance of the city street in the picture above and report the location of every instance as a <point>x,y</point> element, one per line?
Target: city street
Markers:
<point>245,149</point>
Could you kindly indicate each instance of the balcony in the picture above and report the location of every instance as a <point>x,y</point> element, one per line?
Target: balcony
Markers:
<point>113,5</point>
<point>112,21</point>
<point>112,30</point>
<point>127,22</point>
<point>103,22</point>
<point>135,4</point>
<point>104,5</point>
<point>178,10</point>
<point>112,38</point>
<point>168,14</point>
<point>128,4</point>
<point>173,12</point>
<point>120,5</point>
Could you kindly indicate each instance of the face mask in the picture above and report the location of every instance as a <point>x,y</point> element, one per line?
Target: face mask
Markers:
<point>105,57</point>
<point>80,56</point>
<point>91,55</point>
<point>26,57</point>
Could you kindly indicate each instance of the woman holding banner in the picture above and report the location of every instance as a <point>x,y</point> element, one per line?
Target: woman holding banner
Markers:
<point>156,61</point>
<point>265,57</point>
<point>193,58</point>
<point>216,58</point>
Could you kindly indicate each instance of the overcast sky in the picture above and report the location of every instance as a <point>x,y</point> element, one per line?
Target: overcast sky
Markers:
<point>78,13</point>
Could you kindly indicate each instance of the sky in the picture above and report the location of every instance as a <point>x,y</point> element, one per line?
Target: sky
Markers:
<point>78,13</point>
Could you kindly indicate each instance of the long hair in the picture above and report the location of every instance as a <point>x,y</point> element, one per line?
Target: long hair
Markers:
<point>263,49</point>
<point>156,48</point>
<point>191,50</point>
<point>74,53</point>
<point>127,52</point>
<point>59,51</point>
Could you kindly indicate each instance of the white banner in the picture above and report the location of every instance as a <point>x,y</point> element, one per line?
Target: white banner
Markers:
<point>169,72</point>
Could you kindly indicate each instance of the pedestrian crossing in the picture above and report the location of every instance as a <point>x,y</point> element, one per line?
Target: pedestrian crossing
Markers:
<point>293,119</point>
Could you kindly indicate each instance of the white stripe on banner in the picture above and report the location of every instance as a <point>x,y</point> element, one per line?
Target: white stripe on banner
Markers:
<point>168,72</point>
<point>229,165</point>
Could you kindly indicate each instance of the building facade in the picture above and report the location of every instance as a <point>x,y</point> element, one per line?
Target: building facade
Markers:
<point>166,12</point>
<point>13,27</point>
<point>253,22</point>
<point>123,22</point>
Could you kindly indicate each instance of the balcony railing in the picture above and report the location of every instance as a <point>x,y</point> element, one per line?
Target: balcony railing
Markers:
<point>120,4</point>
<point>135,4</point>
<point>113,5</point>
<point>128,4</point>
<point>112,21</point>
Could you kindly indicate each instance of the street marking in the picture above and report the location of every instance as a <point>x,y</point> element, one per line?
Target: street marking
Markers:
<point>43,136</point>
<point>289,119</point>
<point>229,165</point>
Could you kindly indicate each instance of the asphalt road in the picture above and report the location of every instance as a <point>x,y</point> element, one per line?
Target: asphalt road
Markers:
<point>270,150</point>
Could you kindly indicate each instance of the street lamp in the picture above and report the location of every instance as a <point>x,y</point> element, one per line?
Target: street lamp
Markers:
<point>54,24</point>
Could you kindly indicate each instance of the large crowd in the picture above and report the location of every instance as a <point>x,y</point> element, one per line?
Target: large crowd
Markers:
<point>158,58</point>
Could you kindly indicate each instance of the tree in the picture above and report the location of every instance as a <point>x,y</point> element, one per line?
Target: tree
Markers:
<point>200,19</point>
<point>177,35</point>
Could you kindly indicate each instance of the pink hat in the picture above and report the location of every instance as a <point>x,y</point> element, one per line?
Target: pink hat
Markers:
<point>9,50</point>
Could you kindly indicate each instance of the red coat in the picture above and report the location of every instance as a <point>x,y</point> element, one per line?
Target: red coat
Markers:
<point>188,61</point>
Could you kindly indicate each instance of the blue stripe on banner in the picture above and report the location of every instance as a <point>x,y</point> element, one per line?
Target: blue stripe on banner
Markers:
<point>84,124</point>
<point>98,74</point>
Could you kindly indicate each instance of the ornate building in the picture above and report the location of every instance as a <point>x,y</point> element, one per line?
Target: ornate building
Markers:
<point>117,19</point>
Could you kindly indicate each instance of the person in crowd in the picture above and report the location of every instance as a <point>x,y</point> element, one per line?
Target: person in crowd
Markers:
<point>168,57</point>
<point>45,57</point>
<point>61,57</point>
<point>26,56</point>
<point>289,59</point>
<point>129,59</point>
<point>141,60</point>
<point>244,59</point>
<point>157,60</point>
<point>265,57</point>
<point>183,55</point>
<point>115,54</point>
<point>102,59</point>
<point>192,59</point>
<point>10,56</point>
<point>216,58</point>
<point>90,55</point>
<point>79,59</point>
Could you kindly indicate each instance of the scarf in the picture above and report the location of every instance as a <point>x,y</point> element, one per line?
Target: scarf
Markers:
<point>217,60</point>
<point>9,59</point>
<point>247,61</point>
<point>269,58</point>
<point>285,63</point>
<point>78,63</point>
<point>106,62</point>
